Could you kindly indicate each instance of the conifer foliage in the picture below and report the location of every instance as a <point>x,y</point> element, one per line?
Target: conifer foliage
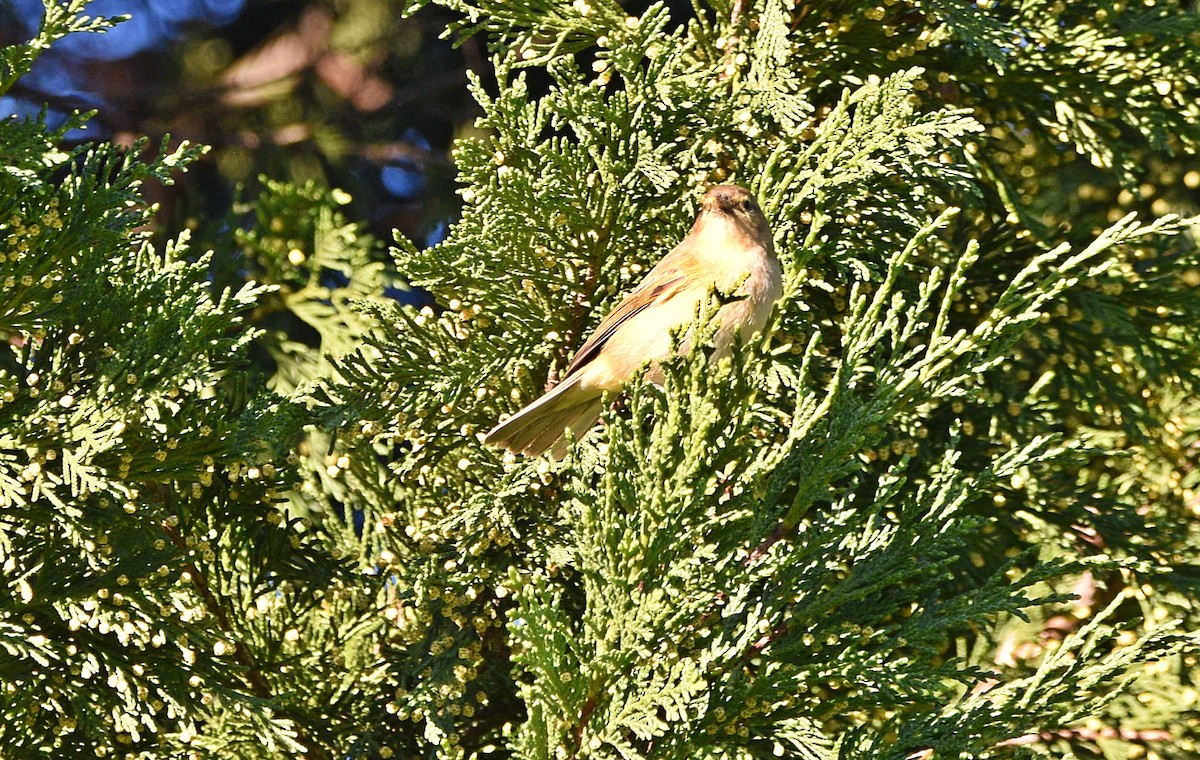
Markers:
<point>138,474</point>
<point>943,508</point>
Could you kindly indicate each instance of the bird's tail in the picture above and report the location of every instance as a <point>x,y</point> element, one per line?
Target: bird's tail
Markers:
<point>543,423</point>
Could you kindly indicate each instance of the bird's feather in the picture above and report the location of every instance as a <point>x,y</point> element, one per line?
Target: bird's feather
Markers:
<point>661,284</point>
<point>533,429</point>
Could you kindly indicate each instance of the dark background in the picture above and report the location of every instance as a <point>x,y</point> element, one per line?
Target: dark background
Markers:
<point>344,94</point>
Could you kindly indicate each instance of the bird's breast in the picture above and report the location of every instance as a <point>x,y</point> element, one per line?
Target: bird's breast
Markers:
<point>759,286</point>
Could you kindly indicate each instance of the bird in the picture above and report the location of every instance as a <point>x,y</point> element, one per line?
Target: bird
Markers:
<point>729,251</point>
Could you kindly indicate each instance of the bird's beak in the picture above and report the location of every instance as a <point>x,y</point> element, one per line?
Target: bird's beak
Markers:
<point>715,206</point>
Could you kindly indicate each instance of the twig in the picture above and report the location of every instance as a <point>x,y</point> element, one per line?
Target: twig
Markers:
<point>252,672</point>
<point>734,41</point>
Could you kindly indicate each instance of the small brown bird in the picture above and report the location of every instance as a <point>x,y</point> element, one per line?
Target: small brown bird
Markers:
<point>728,247</point>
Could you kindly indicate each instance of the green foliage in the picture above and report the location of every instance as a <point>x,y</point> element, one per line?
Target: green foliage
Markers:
<point>736,564</point>
<point>138,475</point>
<point>60,20</point>
<point>944,507</point>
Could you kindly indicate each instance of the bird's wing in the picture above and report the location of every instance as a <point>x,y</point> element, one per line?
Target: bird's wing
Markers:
<point>664,281</point>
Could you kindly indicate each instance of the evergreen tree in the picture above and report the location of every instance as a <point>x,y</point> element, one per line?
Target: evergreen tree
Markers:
<point>140,532</point>
<point>944,507</point>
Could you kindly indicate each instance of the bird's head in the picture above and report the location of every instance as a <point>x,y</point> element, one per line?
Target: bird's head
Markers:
<point>737,205</point>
